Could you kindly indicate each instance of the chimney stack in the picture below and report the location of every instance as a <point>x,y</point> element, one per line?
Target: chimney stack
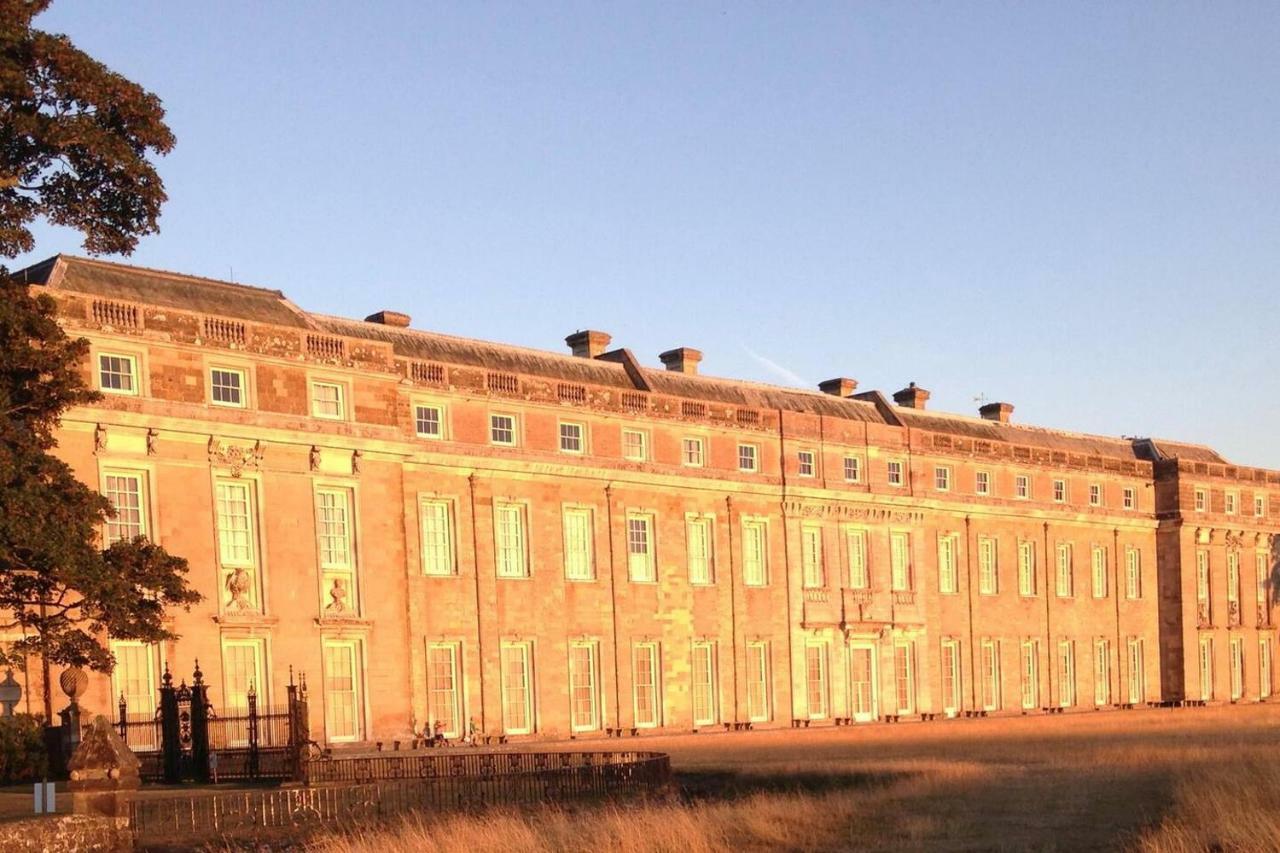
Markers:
<point>911,397</point>
<point>841,386</point>
<point>681,359</point>
<point>588,343</point>
<point>1001,412</point>
<point>389,318</point>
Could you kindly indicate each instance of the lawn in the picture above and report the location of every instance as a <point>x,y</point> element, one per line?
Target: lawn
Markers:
<point>1145,780</point>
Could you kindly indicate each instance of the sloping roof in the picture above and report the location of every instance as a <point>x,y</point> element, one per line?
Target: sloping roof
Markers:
<point>432,346</point>
<point>209,296</point>
<point>759,395</point>
<point>1050,439</point>
<point>166,289</point>
<point>1165,449</point>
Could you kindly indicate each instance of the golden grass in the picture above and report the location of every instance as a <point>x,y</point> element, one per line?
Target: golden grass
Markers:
<point>1151,781</point>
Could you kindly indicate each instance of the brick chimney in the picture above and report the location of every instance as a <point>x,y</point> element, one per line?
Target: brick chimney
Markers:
<point>389,318</point>
<point>1001,412</point>
<point>911,397</point>
<point>681,359</point>
<point>588,343</point>
<point>841,386</point>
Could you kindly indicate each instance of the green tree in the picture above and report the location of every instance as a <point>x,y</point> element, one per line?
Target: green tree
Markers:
<point>74,141</point>
<point>74,144</point>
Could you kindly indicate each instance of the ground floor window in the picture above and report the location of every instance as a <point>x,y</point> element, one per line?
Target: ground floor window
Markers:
<point>648,690</point>
<point>862,682</point>
<point>951,677</point>
<point>905,676</point>
<point>1206,668</point>
<point>1067,674</point>
<point>444,705</point>
<point>1237,669</point>
<point>815,668</point>
<point>342,690</point>
<point>704,684</point>
<point>991,675</point>
<point>1264,668</point>
<point>1137,672</point>
<point>584,687</point>
<point>1101,672</point>
<point>1030,674</point>
<point>758,706</point>
<point>517,688</point>
<point>135,681</point>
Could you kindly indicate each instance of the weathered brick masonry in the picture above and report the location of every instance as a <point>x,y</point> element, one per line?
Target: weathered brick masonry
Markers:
<point>439,530</point>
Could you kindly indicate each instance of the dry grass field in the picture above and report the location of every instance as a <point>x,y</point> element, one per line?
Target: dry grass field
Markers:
<point>1152,780</point>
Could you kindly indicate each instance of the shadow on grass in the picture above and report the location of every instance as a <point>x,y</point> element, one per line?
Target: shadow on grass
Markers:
<point>706,785</point>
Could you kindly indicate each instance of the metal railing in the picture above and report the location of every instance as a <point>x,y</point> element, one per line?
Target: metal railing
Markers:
<point>457,783</point>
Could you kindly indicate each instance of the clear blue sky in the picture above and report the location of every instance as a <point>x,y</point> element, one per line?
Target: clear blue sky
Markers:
<point>1074,207</point>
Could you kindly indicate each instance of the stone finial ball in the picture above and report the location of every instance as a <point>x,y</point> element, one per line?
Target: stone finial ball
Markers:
<point>75,775</point>
<point>113,773</point>
<point>74,682</point>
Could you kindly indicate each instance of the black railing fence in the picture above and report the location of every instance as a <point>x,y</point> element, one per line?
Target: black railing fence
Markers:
<point>452,783</point>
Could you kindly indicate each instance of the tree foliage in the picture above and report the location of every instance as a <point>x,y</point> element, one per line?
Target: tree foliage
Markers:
<point>74,144</point>
<point>74,141</point>
<point>58,587</point>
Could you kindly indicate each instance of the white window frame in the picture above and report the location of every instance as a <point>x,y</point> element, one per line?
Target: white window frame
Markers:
<point>759,705</point>
<point>1201,500</point>
<point>134,374</point>
<point>855,541</point>
<point>1065,571</point>
<point>904,674</point>
<point>693,451</point>
<point>419,420</point>
<point>451,655</point>
<point>748,458</point>
<point>242,389</point>
<point>895,473</point>
<point>591,685</point>
<point>992,687</point>
<point>948,576</point>
<point>1098,571</point>
<point>1067,674</point>
<point>755,567</point>
<point>1137,671</point>
<point>517,652</point>
<point>653,682</point>
<point>988,566</point>
<point>1060,491</point>
<point>144,504</point>
<point>982,483</point>
<point>1132,573</point>
<point>340,399</point>
<point>949,663</point>
<point>353,647</point>
<point>942,478</point>
<point>704,693</point>
<point>1095,494</point>
<point>1022,487</point>
<point>1030,671</point>
<point>815,651</point>
<point>565,432</point>
<point>901,571</point>
<point>1027,583</point>
<point>511,558</point>
<point>806,463</point>
<point>1230,502</point>
<point>443,563</point>
<point>1129,499</point>
<point>702,566</point>
<point>852,469</point>
<point>1101,672</point>
<point>642,442</point>
<point>497,431</point>
<point>578,523</point>
<point>641,565</point>
<point>812,562</point>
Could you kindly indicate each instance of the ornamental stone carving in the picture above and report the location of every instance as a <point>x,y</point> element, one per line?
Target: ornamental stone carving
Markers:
<point>239,585</point>
<point>99,438</point>
<point>236,457</point>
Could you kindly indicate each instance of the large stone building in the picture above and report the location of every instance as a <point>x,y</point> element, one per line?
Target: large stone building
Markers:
<point>440,530</point>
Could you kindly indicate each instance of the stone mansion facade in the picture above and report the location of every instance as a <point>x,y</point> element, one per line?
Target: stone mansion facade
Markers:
<point>440,530</point>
